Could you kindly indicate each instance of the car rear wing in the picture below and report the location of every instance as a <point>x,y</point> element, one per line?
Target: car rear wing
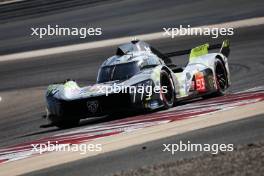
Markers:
<point>203,49</point>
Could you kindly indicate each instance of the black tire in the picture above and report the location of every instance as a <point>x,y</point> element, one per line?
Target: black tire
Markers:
<point>63,122</point>
<point>169,97</point>
<point>221,79</point>
<point>68,123</point>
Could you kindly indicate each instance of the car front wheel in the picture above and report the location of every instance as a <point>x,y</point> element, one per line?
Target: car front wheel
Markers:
<point>167,96</point>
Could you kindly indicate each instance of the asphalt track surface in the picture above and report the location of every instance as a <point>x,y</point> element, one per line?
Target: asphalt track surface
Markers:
<point>125,18</point>
<point>239,132</point>
<point>23,82</point>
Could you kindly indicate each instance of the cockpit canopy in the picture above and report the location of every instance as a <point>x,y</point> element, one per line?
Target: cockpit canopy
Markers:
<point>129,60</point>
<point>118,72</point>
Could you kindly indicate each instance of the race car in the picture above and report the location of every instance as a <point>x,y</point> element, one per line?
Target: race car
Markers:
<point>140,77</point>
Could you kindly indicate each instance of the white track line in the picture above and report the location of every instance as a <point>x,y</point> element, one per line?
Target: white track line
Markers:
<point>10,1</point>
<point>0,99</point>
<point>110,42</point>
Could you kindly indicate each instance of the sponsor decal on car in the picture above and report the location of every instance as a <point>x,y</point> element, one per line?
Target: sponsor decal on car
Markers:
<point>92,106</point>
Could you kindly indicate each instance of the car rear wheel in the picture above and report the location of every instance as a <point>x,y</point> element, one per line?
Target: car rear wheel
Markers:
<point>167,96</point>
<point>221,80</point>
<point>221,77</point>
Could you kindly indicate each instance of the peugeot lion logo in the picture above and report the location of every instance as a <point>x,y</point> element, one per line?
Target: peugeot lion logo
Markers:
<point>92,106</point>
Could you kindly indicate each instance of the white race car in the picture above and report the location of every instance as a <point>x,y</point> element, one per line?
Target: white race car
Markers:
<point>137,64</point>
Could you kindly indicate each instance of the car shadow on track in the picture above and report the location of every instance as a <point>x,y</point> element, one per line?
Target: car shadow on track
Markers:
<point>86,123</point>
<point>104,119</point>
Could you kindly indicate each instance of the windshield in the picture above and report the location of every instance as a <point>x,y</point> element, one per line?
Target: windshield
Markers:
<point>117,72</point>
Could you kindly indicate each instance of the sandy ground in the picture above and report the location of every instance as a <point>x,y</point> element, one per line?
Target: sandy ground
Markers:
<point>244,160</point>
